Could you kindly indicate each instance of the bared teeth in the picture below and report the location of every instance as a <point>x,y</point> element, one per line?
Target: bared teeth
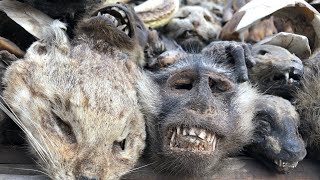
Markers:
<point>121,27</point>
<point>202,134</point>
<point>284,164</point>
<point>178,130</point>
<point>287,76</point>
<point>192,132</point>
<point>99,13</point>
<point>115,8</point>
<point>184,132</point>
<point>123,14</point>
<point>191,139</point>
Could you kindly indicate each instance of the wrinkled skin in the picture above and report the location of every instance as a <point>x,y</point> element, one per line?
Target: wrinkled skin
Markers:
<point>197,114</point>
<point>276,70</point>
<point>77,101</point>
<point>193,27</point>
<point>277,142</point>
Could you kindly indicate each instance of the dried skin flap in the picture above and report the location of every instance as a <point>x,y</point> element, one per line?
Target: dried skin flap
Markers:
<point>258,9</point>
<point>294,43</point>
<point>32,20</point>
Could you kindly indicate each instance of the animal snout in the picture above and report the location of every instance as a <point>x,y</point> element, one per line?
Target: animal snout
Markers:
<point>87,178</point>
<point>295,149</point>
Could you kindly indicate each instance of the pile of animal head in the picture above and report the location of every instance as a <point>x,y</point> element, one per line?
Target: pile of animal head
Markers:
<point>277,142</point>
<point>197,114</point>
<point>77,101</point>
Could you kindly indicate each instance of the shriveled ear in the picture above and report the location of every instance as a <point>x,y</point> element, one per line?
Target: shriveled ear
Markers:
<point>236,54</point>
<point>165,59</point>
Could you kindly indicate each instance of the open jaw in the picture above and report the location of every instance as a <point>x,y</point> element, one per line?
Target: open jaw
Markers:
<point>118,17</point>
<point>196,140</point>
<point>291,77</point>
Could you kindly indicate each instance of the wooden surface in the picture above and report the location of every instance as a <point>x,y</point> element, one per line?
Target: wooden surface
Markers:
<point>16,164</point>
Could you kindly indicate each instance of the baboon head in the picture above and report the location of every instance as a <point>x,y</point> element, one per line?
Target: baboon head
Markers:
<point>277,71</point>
<point>277,142</point>
<point>197,113</point>
<point>193,27</point>
<point>77,101</point>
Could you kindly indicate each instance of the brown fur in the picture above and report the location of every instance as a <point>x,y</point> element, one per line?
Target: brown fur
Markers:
<point>77,104</point>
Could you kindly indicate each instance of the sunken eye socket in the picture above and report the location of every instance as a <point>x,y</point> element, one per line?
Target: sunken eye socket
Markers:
<point>219,85</point>
<point>183,84</point>
<point>183,81</point>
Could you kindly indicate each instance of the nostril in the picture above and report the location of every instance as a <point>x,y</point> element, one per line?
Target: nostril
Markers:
<point>86,178</point>
<point>195,23</point>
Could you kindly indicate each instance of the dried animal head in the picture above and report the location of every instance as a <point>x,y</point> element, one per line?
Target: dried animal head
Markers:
<point>197,114</point>
<point>78,103</point>
<point>193,27</point>
<point>307,103</point>
<point>276,70</point>
<point>277,142</point>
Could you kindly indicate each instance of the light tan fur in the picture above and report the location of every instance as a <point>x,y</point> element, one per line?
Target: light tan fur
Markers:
<point>74,102</point>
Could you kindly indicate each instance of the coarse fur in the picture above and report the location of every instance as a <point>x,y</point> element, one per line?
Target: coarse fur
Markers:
<point>306,100</point>
<point>277,142</point>
<point>276,71</point>
<point>77,102</point>
<point>196,93</point>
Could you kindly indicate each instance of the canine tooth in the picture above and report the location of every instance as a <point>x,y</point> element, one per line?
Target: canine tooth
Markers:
<point>99,13</point>
<point>173,136</point>
<point>287,76</point>
<point>126,31</point>
<point>280,162</point>
<point>121,27</point>
<point>126,20</point>
<point>214,145</point>
<point>202,134</point>
<point>184,132</point>
<point>290,81</point>
<point>192,132</point>
<point>123,14</point>
<point>178,130</point>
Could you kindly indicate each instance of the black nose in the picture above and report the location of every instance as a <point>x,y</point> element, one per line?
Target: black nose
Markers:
<point>86,178</point>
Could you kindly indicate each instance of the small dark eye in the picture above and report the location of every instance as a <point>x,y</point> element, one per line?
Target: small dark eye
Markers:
<point>207,18</point>
<point>263,52</point>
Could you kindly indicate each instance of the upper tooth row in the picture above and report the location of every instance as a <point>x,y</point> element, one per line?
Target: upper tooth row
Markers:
<point>123,14</point>
<point>201,133</point>
<point>282,163</point>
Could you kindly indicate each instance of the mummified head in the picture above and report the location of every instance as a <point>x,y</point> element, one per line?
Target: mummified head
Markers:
<point>277,142</point>
<point>78,105</point>
<point>197,113</point>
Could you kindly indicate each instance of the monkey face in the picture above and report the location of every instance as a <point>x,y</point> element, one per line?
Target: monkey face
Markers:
<point>193,27</point>
<point>199,119</point>
<point>277,71</point>
<point>277,142</point>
